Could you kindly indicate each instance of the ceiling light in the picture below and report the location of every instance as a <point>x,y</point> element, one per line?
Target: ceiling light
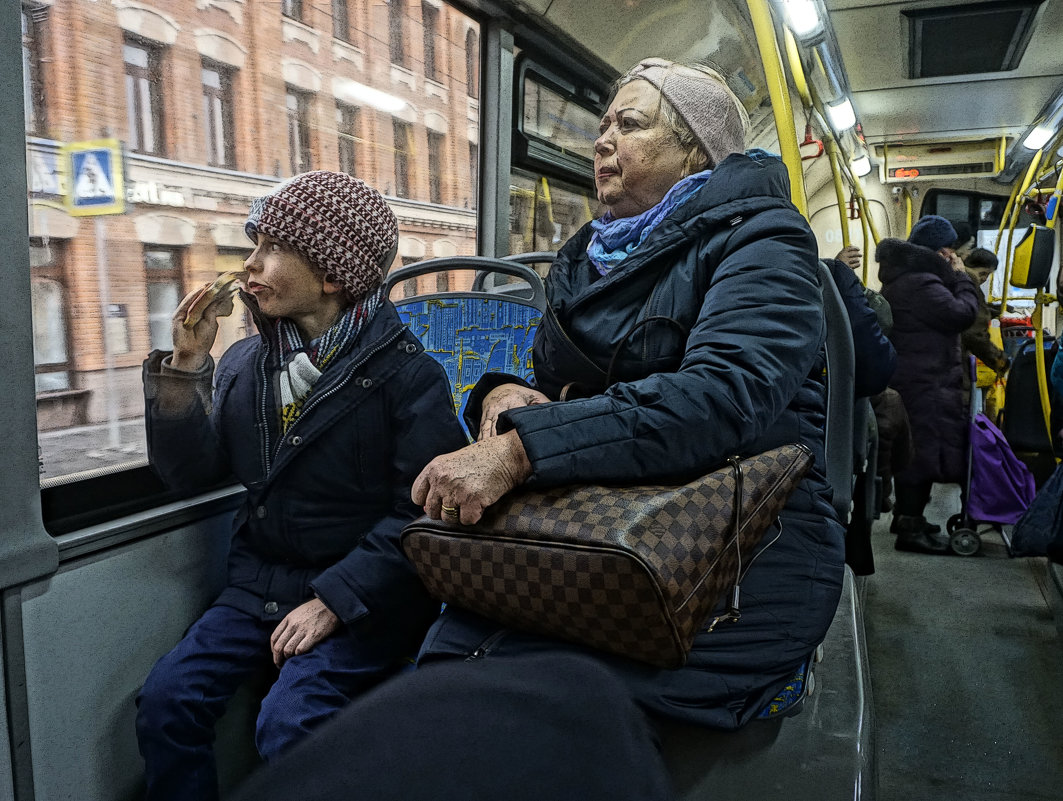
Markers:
<point>842,117</point>
<point>1038,137</point>
<point>804,18</point>
<point>861,166</point>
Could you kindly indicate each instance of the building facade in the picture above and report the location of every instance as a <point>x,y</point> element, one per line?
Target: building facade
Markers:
<point>214,102</point>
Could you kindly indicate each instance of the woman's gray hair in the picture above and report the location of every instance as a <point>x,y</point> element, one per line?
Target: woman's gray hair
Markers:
<point>708,119</point>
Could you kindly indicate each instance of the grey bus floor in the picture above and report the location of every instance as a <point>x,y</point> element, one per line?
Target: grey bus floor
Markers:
<point>967,672</point>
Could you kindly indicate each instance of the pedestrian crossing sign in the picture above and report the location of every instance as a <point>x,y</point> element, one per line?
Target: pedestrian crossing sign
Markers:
<point>95,183</point>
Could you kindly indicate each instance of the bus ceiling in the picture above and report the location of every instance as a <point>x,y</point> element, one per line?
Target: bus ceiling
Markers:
<point>916,74</point>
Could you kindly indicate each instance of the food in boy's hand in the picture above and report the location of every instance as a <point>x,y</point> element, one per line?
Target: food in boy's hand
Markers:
<point>223,286</point>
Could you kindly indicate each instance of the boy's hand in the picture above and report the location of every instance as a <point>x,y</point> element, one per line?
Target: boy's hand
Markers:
<point>192,344</point>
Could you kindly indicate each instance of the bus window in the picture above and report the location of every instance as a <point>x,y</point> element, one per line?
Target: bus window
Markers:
<point>148,136</point>
<point>544,213</point>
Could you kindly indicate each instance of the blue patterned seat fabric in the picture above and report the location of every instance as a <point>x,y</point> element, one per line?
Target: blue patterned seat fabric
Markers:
<point>471,336</point>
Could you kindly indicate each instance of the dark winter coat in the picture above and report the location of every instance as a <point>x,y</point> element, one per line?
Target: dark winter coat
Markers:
<point>932,305</point>
<point>875,357</point>
<point>738,371</point>
<point>325,503</point>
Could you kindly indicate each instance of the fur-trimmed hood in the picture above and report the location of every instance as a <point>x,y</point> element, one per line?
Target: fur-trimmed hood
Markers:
<point>896,257</point>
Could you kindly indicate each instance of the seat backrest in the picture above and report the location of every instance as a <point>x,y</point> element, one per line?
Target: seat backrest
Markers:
<point>841,378</point>
<point>489,328</point>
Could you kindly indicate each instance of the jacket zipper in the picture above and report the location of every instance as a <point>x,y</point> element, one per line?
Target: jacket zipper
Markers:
<point>263,408</point>
<point>485,647</point>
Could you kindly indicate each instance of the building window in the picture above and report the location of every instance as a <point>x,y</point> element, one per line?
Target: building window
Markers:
<point>51,344</point>
<point>430,21</point>
<point>347,137</point>
<point>474,173</point>
<point>33,18</point>
<point>298,130</point>
<point>163,268</point>
<point>218,115</point>
<point>341,20</point>
<point>401,132</point>
<point>472,63</point>
<point>395,38</point>
<point>143,91</point>
<point>292,8</point>
<point>436,165</point>
<point>442,282</point>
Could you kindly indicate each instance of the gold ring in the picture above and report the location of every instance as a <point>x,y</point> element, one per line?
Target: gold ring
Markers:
<point>449,510</point>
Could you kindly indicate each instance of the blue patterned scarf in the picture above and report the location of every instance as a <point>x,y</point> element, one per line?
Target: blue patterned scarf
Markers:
<point>303,363</point>
<point>614,240</point>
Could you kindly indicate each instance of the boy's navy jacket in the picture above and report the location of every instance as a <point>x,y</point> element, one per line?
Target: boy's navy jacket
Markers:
<point>326,502</point>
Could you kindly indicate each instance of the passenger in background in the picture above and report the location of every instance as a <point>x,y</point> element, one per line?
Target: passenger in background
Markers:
<point>874,362</point>
<point>852,256</point>
<point>981,264</point>
<point>933,302</point>
<point>875,357</point>
<point>326,417</point>
<point>705,235</point>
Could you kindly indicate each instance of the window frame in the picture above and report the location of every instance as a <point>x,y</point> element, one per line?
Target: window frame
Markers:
<point>34,18</point>
<point>225,96</point>
<point>348,120</point>
<point>429,26</point>
<point>152,76</point>
<point>300,153</point>
<point>400,129</point>
<point>341,20</point>
<point>172,275</point>
<point>292,9</point>
<point>437,156</point>
<point>55,271</point>
<point>396,39</point>
<point>537,154</point>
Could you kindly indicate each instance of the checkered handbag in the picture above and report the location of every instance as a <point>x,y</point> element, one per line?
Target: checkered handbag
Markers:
<point>632,570</point>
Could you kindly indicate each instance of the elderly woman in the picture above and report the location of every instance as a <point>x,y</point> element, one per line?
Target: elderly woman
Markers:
<point>934,301</point>
<point>686,326</point>
<point>697,292</point>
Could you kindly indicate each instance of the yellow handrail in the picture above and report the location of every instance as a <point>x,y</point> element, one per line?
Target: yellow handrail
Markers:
<point>779,94</point>
<point>1018,197</point>
<point>797,69</point>
<point>839,189</point>
<point>907,212</point>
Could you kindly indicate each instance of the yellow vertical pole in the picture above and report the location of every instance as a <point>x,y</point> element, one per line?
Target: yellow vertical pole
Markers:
<point>839,189</point>
<point>907,213</point>
<point>779,94</point>
<point>1019,195</point>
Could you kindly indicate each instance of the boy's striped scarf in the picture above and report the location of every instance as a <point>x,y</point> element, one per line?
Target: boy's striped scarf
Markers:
<point>302,364</point>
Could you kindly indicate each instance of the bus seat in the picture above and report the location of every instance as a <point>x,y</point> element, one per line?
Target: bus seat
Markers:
<point>827,751</point>
<point>489,328</point>
<point>840,393</point>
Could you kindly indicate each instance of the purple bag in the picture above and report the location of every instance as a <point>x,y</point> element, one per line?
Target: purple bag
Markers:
<point>1002,487</point>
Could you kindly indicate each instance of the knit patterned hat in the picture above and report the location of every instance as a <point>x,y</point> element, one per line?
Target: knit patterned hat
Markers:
<point>711,111</point>
<point>339,223</point>
<point>933,232</point>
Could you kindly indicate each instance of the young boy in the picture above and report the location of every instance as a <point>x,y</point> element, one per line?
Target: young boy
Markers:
<point>326,417</point>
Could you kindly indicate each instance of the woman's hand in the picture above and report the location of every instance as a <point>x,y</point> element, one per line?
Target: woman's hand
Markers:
<point>192,345</point>
<point>501,399</point>
<point>302,629</point>
<point>462,484</point>
<point>955,262</point>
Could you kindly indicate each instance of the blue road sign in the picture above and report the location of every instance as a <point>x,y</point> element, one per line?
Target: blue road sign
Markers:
<point>95,183</point>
